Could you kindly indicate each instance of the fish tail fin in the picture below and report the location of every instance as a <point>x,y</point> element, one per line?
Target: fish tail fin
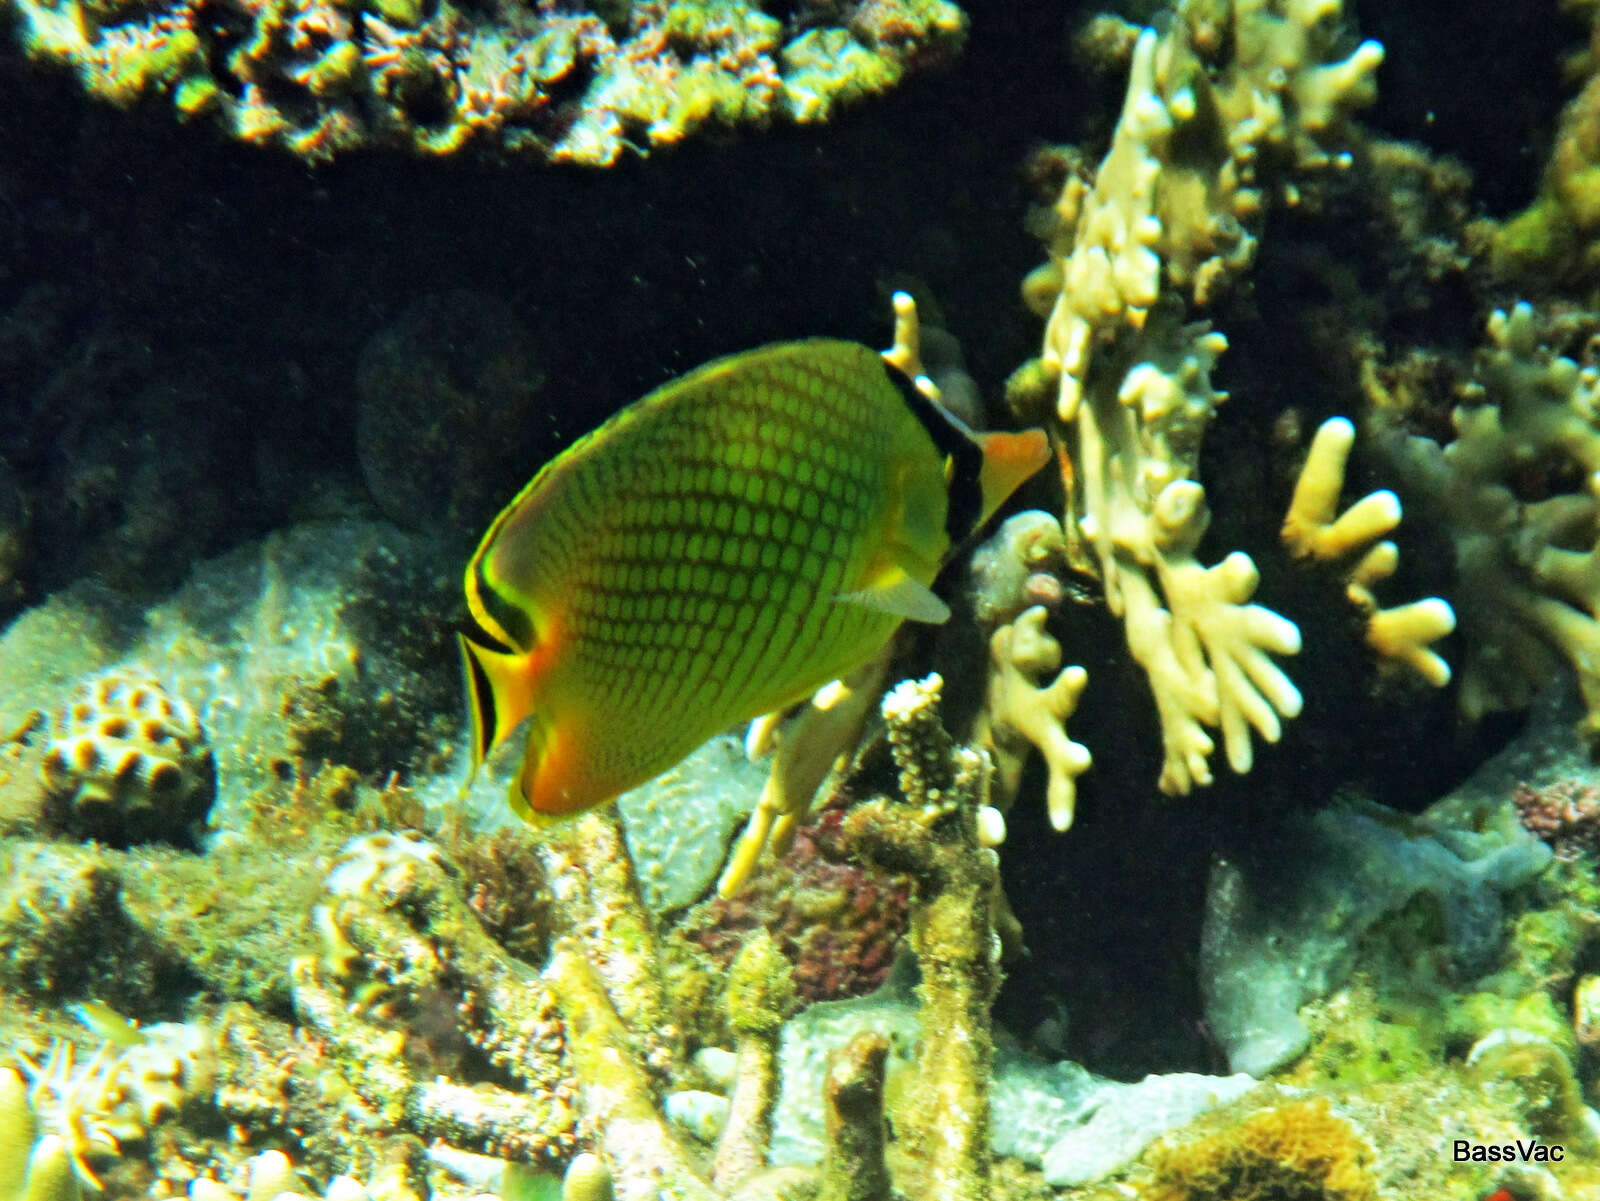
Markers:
<point>1009,460</point>
<point>498,698</point>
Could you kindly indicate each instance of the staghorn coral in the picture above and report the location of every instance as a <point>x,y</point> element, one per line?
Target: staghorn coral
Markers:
<point>318,78</point>
<point>1517,492</point>
<point>128,763</point>
<point>1226,110</point>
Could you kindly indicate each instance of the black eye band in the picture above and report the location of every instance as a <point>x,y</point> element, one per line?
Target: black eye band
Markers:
<point>966,457</point>
<point>506,615</point>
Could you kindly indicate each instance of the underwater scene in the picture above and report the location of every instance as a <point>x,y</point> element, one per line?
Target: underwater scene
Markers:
<point>799,600</point>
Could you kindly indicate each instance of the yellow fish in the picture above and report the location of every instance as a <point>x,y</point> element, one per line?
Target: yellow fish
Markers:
<point>718,550</point>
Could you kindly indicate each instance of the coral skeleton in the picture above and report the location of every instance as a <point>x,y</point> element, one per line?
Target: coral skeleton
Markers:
<point>932,831</point>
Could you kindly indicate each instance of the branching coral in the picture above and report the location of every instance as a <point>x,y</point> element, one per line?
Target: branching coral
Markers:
<point>1401,635</point>
<point>1020,715</point>
<point>1224,111</point>
<point>1518,492</point>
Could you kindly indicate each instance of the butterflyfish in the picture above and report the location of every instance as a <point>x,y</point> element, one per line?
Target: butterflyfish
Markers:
<point>718,550</point>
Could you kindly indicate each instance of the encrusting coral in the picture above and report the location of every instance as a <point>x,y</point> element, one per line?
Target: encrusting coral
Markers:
<point>1225,111</point>
<point>1300,1149</point>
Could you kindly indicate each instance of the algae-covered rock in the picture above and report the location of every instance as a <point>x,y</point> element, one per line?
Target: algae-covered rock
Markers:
<point>448,412</point>
<point>1282,933</point>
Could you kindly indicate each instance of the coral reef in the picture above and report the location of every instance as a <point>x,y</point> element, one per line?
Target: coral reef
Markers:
<point>347,988</point>
<point>563,84</point>
<point>128,763</point>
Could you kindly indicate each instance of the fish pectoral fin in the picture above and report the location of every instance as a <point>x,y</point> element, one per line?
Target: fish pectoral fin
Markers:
<point>897,593</point>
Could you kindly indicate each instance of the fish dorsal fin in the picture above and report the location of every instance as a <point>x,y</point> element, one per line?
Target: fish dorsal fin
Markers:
<point>896,593</point>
